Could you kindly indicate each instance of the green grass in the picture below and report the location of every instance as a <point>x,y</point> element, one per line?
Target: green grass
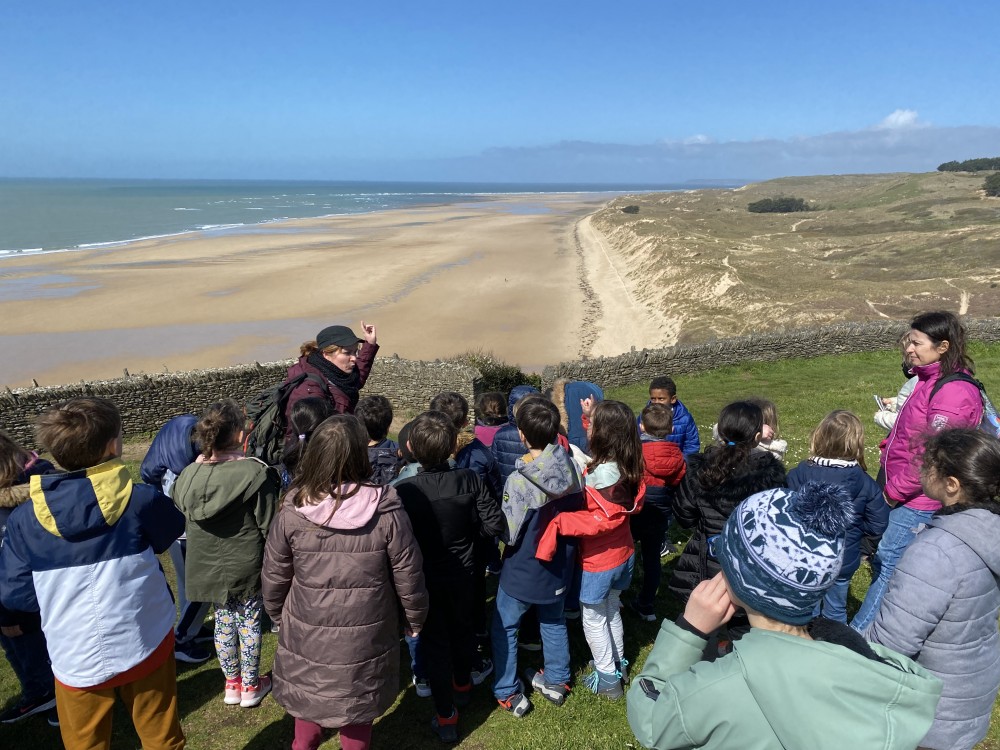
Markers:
<point>804,390</point>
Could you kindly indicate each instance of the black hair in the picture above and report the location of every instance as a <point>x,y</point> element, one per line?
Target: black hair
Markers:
<point>940,326</point>
<point>538,421</point>
<point>663,383</point>
<point>973,458</point>
<point>306,415</point>
<point>375,413</point>
<point>454,405</point>
<point>740,423</point>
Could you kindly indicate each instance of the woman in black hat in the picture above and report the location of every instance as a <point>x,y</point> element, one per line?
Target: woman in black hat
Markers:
<point>336,365</point>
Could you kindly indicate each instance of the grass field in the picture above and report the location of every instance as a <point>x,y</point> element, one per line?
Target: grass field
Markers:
<point>804,390</point>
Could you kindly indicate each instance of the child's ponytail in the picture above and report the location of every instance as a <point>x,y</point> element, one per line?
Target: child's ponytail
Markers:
<point>307,414</point>
<point>219,427</point>
<point>740,424</point>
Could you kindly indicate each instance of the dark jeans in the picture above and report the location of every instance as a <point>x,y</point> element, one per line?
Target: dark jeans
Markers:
<point>649,529</point>
<point>29,658</point>
<point>447,641</point>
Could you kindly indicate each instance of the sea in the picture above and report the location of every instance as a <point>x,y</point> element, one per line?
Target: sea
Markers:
<point>59,215</point>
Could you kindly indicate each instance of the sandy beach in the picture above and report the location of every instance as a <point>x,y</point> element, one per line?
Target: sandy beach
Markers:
<point>525,276</point>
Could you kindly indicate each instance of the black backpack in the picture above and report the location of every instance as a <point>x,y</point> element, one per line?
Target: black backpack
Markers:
<point>990,422</point>
<point>266,413</point>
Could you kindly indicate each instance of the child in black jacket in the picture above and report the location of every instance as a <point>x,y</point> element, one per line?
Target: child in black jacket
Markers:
<point>449,509</point>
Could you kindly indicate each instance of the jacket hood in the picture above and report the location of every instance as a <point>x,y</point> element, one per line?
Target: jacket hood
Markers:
<point>516,394</point>
<point>352,513</point>
<point>798,706</point>
<point>80,504</point>
<point>465,438</point>
<point>11,497</point>
<point>554,474</point>
<point>209,489</point>
<point>979,529</point>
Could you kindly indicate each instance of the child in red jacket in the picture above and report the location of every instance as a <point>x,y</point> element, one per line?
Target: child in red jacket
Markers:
<point>663,471</point>
<point>614,492</point>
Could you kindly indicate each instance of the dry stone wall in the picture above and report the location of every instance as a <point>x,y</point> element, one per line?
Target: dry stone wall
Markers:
<point>147,401</point>
<point>639,366</point>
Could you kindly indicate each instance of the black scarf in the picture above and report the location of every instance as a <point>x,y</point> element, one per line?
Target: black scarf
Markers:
<point>349,383</point>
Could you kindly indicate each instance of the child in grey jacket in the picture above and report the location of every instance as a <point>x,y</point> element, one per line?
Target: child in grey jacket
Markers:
<point>942,604</point>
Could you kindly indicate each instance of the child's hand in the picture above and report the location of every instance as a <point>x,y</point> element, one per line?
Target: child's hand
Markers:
<point>411,632</point>
<point>12,631</point>
<point>709,607</point>
<point>587,405</point>
<point>368,331</point>
<point>766,432</point>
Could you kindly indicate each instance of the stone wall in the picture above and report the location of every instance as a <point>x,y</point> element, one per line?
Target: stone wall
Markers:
<point>147,401</point>
<point>846,338</point>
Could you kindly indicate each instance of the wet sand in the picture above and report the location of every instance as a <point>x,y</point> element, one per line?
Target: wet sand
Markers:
<point>525,277</point>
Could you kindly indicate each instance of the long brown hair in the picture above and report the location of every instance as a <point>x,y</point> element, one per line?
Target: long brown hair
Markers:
<point>940,326</point>
<point>336,455</point>
<point>12,460</point>
<point>614,438</point>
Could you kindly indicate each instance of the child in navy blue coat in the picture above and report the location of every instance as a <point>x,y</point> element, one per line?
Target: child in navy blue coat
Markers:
<point>837,456</point>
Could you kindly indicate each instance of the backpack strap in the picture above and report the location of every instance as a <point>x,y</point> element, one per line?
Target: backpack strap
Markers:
<point>961,377</point>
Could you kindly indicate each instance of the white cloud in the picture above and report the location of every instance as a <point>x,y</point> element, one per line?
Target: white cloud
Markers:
<point>901,119</point>
<point>697,140</point>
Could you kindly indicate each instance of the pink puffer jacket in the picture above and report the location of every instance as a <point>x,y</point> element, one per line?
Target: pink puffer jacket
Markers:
<point>957,404</point>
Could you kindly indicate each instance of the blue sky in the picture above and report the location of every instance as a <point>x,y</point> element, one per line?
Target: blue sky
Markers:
<point>554,91</point>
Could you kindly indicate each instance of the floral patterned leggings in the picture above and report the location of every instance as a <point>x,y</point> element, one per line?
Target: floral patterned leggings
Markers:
<point>237,638</point>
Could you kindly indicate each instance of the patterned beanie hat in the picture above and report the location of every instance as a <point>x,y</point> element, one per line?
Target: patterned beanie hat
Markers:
<point>782,549</point>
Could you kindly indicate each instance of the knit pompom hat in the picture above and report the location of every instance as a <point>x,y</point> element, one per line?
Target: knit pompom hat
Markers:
<point>781,549</point>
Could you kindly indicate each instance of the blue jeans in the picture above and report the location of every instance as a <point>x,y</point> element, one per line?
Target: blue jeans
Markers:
<point>904,523</point>
<point>834,604</point>
<point>29,658</point>
<point>555,643</point>
<point>416,657</point>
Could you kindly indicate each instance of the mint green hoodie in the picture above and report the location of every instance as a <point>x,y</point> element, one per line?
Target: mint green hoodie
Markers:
<point>777,691</point>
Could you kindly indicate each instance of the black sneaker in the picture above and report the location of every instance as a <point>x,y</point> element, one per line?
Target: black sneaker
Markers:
<point>24,709</point>
<point>645,613</point>
<point>52,717</point>
<point>553,693</point>
<point>484,670</point>
<point>191,653</point>
<point>668,548</point>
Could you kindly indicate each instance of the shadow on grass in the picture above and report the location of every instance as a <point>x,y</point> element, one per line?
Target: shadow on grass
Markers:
<point>277,734</point>
<point>197,686</point>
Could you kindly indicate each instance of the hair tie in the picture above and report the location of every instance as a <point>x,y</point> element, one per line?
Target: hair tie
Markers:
<point>730,442</point>
<point>302,437</point>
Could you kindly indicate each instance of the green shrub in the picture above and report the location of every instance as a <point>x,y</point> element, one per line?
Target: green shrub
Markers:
<point>630,210</point>
<point>497,375</point>
<point>781,205</point>
<point>970,165</point>
<point>992,185</point>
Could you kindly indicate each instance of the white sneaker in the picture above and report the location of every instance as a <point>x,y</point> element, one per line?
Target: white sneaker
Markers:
<point>250,697</point>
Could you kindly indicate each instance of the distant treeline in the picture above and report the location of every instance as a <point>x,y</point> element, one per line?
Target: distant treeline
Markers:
<point>780,205</point>
<point>970,165</point>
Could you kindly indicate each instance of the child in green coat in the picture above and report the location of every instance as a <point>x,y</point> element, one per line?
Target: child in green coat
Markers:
<point>792,681</point>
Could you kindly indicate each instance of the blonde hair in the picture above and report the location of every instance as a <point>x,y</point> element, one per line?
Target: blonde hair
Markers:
<point>769,410</point>
<point>839,435</point>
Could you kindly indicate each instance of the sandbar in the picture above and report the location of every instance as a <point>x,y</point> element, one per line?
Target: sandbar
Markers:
<point>525,277</point>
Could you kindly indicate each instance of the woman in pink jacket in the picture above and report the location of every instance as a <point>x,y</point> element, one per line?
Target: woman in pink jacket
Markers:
<point>935,350</point>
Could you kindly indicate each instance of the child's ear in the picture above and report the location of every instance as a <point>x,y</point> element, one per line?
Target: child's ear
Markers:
<point>673,400</point>
<point>114,447</point>
<point>520,436</point>
<point>756,438</point>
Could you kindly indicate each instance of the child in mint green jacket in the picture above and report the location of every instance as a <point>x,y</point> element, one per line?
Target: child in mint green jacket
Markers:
<point>792,681</point>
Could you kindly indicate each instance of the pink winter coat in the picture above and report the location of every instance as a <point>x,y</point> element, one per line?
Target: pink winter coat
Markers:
<point>957,404</point>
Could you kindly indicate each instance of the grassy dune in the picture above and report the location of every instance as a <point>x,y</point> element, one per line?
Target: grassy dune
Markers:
<point>874,246</point>
<point>804,390</point>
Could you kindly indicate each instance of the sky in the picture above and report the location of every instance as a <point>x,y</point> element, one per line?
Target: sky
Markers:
<point>659,91</point>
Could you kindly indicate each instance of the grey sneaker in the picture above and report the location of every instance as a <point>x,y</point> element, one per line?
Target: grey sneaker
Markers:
<point>423,686</point>
<point>553,693</point>
<point>606,685</point>
<point>480,674</point>
<point>516,704</point>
